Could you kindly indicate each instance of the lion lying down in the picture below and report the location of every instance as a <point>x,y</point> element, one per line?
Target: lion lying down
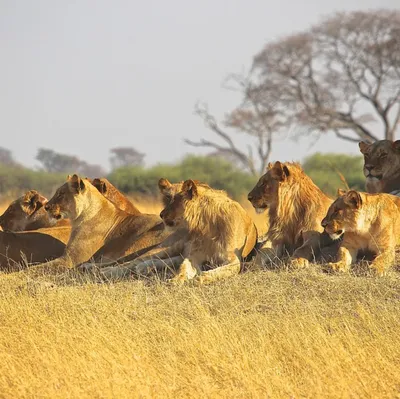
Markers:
<point>27,213</point>
<point>296,207</point>
<point>367,222</point>
<point>17,250</point>
<point>210,229</point>
<point>98,225</point>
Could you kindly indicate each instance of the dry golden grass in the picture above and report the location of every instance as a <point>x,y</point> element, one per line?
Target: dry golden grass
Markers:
<point>271,334</point>
<point>260,334</point>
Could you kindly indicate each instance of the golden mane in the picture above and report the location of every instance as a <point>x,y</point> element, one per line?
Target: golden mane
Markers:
<point>296,207</point>
<point>209,214</point>
<point>298,199</point>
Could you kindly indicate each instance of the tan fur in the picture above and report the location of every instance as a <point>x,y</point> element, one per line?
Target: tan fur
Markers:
<point>19,249</point>
<point>27,213</point>
<point>166,254</point>
<point>296,207</point>
<point>381,166</point>
<point>220,232</point>
<point>155,258</point>
<point>99,228</point>
<point>114,195</point>
<point>369,222</point>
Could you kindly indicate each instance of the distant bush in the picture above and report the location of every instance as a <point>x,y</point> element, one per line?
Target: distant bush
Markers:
<point>324,168</point>
<point>218,173</point>
<point>17,180</point>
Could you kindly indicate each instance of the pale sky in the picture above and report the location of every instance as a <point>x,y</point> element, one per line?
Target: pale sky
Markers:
<point>81,77</point>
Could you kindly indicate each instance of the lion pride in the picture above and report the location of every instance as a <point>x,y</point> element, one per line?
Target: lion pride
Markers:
<point>367,222</point>
<point>296,207</point>
<point>381,166</point>
<point>98,225</point>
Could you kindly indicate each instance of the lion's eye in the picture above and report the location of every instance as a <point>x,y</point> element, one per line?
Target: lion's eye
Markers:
<point>383,155</point>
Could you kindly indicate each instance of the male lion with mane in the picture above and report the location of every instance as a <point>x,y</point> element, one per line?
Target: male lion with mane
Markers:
<point>367,222</point>
<point>296,207</point>
<point>382,166</point>
<point>220,232</point>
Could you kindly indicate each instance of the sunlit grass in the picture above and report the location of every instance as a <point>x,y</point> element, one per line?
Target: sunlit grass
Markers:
<point>260,334</point>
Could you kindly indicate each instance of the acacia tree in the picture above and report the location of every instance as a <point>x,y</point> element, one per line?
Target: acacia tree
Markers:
<point>126,156</point>
<point>54,162</point>
<point>258,116</point>
<point>343,75</point>
<point>7,158</point>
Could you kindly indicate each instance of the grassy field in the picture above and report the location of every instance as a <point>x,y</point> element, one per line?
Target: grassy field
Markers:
<point>275,334</point>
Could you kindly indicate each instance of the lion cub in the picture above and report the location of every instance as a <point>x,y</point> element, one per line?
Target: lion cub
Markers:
<point>369,222</point>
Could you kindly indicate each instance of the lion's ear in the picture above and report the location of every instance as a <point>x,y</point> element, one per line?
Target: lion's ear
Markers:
<point>164,184</point>
<point>353,198</point>
<point>76,184</point>
<point>189,189</point>
<point>280,171</point>
<point>100,185</point>
<point>364,147</point>
<point>396,145</point>
<point>32,201</point>
<point>341,192</point>
<point>269,166</point>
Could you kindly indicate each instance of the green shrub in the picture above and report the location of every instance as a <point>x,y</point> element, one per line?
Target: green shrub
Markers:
<point>324,169</point>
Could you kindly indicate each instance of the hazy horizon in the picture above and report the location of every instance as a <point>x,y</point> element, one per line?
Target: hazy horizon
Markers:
<point>72,73</point>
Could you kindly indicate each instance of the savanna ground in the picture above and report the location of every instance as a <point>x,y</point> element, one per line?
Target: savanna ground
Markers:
<point>274,333</point>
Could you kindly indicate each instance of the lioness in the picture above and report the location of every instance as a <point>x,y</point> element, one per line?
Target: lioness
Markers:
<point>18,249</point>
<point>220,232</point>
<point>296,207</point>
<point>97,223</point>
<point>27,213</point>
<point>382,166</point>
<point>369,222</point>
<point>114,195</point>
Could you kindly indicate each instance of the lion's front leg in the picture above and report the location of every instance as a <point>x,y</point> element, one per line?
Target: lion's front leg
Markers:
<point>384,260</point>
<point>58,265</point>
<point>187,271</point>
<point>345,257</point>
<point>221,272</point>
<point>266,256</point>
<point>158,265</point>
<point>306,253</point>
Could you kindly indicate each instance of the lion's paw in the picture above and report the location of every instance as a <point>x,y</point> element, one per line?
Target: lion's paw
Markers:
<point>335,267</point>
<point>298,263</point>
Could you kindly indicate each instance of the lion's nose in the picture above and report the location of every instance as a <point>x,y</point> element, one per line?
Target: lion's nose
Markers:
<point>249,197</point>
<point>47,207</point>
<point>324,223</point>
<point>162,213</point>
<point>369,167</point>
